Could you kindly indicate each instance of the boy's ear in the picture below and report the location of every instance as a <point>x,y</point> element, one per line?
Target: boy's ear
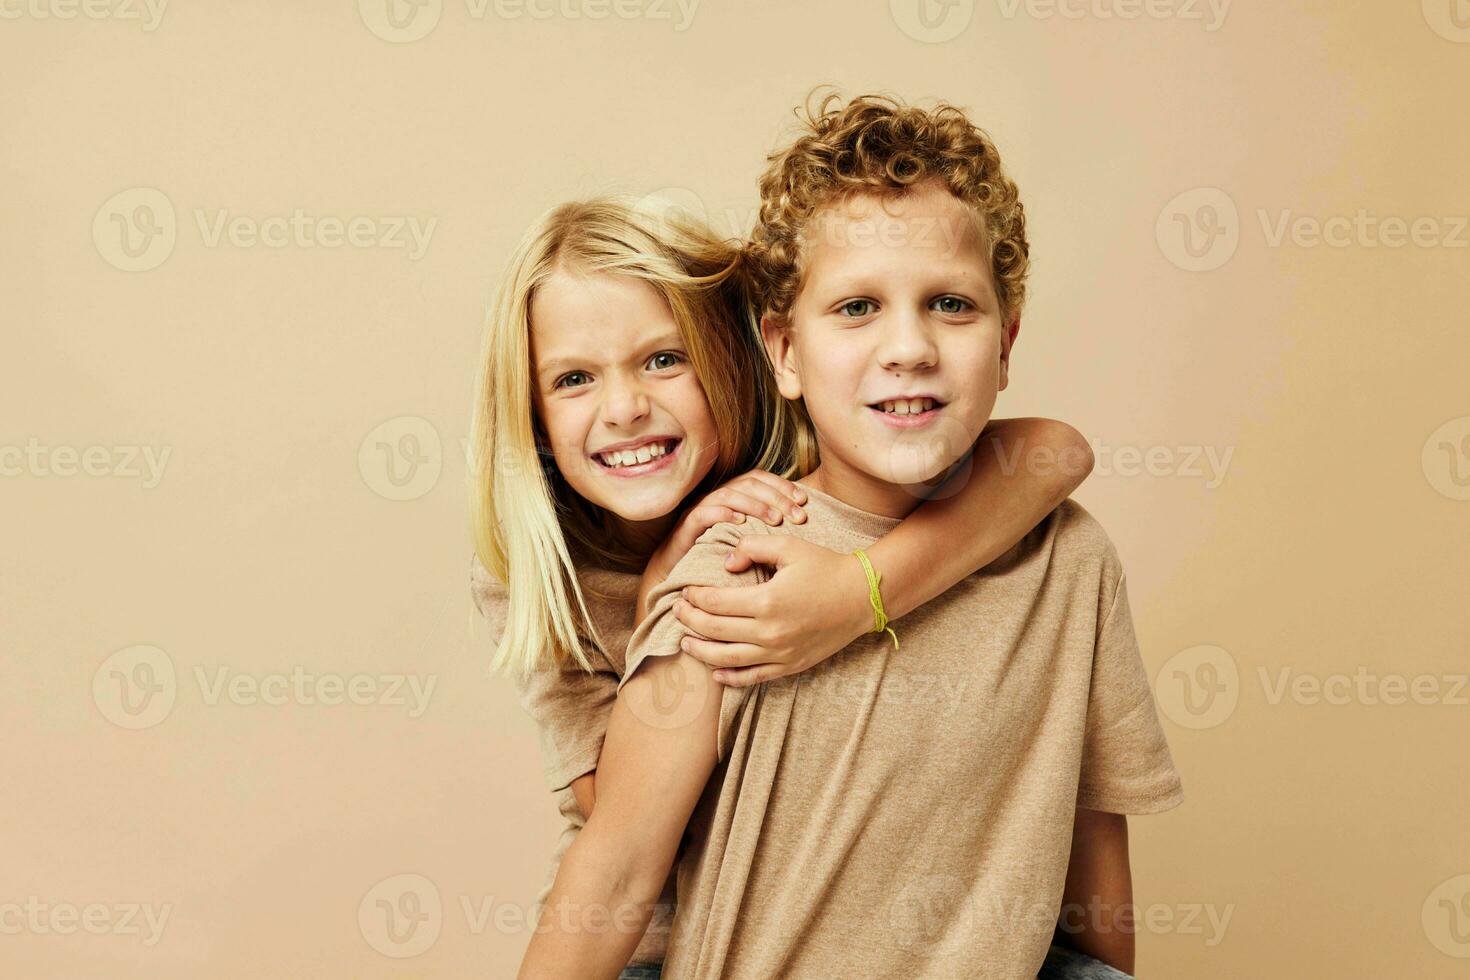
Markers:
<point>1007,342</point>
<point>776,335</point>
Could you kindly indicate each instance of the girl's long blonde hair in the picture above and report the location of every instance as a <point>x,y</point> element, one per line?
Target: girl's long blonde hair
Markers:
<point>530,528</point>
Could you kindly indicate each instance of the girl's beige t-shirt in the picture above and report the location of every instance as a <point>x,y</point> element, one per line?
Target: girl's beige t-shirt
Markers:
<point>908,812</point>
<point>571,709</point>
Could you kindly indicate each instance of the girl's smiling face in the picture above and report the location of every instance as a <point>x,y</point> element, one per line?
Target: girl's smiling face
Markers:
<point>618,400</point>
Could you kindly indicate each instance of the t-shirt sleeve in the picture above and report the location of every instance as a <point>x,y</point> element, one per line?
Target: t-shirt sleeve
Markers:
<point>570,706</point>
<point>660,632</point>
<point>1126,764</point>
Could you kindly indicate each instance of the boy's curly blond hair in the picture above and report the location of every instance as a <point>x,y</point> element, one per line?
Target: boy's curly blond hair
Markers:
<point>877,144</point>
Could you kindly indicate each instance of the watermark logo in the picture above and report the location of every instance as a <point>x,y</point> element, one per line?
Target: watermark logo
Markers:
<point>1446,917</point>
<point>401,459</point>
<point>670,694</point>
<point>933,913</point>
<point>135,230</point>
<point>400,21</point>
<point>1450,19</point>
<point>676,205</point>
<point>932,21</point>
<point>1446,459</point>
<point>401,916</point>
<point>1198,687</point>
<point>1199,230</point>
<point>135,687</point>
<point>932,462</point>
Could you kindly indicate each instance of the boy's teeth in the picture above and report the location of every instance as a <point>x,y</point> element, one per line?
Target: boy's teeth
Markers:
<point>908,406</point>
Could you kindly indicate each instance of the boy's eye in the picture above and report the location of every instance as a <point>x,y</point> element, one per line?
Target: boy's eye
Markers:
<point>856,308</point>
<point>952,305</point>
<point>664,360</point>
<point>572,379</point>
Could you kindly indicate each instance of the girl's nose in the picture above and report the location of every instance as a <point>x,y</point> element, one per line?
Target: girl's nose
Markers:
<point>626,405</point>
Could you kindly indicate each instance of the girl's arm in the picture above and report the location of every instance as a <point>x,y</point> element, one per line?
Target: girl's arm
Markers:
<point>1097,901</point>
<point>817,602</point>
<point>649,780</point>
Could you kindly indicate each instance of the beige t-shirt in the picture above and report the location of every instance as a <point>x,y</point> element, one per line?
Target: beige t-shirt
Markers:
<point>908,813</point>
<point>571,708</point>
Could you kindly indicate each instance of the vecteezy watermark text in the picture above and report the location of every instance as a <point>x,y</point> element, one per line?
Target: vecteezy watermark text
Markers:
<point>150,12</point>
<point>119,462</point>
<point>38,917</point>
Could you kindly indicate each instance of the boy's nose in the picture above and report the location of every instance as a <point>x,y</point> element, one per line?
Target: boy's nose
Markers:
<point>907,344</point>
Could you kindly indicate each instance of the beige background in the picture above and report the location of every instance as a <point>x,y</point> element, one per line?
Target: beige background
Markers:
<point>1332,835</point>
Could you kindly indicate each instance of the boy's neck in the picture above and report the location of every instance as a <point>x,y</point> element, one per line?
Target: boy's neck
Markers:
<point>860,490</point>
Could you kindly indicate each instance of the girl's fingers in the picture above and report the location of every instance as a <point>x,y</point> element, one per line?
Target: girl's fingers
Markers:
<point>726,600</point>
<point>731,629</point>
<point>782,494</point>
<point>774,550</point>
<point>787,487</point>
<point>750,675</point>
<point>723,654</point>
<point>759,502</point>
<point>707,516</point>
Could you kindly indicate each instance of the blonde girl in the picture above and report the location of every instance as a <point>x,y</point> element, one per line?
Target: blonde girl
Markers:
<point>624,407</point>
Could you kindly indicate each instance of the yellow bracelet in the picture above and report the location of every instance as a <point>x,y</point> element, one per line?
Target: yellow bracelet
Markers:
<point>880,618</point>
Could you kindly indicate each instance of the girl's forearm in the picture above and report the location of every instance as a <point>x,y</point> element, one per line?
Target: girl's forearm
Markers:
<point>1020,471</point>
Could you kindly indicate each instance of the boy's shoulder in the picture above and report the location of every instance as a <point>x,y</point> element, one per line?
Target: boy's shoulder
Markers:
<point>1069,538</point>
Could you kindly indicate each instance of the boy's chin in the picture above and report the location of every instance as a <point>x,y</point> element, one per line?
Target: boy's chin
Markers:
<point>946,480</point>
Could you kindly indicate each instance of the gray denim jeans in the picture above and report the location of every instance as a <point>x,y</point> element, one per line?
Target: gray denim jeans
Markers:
<point>1061,964</point>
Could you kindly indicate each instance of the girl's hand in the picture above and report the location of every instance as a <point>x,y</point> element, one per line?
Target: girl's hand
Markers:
<point>816,604</point>
<point>758,494</point>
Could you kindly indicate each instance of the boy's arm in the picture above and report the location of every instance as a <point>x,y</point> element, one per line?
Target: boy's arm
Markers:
<point>817,602</point>
<point>1096,917</point>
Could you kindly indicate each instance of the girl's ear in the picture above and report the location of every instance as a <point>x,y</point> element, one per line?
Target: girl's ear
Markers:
<point>1007,342</point>
<point>776,335</point>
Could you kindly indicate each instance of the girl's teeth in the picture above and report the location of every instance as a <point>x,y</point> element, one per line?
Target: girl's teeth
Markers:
<point>632,457</point>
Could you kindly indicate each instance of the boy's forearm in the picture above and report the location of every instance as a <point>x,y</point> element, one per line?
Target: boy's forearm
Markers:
<point>594,935</point>
<point>1020,471</point>
<point>1097,914</point>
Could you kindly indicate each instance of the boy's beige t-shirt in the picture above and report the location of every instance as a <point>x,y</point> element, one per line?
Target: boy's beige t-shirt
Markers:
<point>909,812</point>
<point>571,708</point>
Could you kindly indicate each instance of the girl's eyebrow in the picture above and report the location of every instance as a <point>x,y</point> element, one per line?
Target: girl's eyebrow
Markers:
<point>555,365</point>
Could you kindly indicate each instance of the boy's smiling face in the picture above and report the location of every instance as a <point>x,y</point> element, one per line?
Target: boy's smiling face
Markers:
<point>895,342</point>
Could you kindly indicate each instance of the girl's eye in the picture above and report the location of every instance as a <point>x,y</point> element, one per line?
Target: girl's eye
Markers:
<point>856,308</point>
<point>664,360</point>
<point>572,379</point>
<point>951,305</point>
